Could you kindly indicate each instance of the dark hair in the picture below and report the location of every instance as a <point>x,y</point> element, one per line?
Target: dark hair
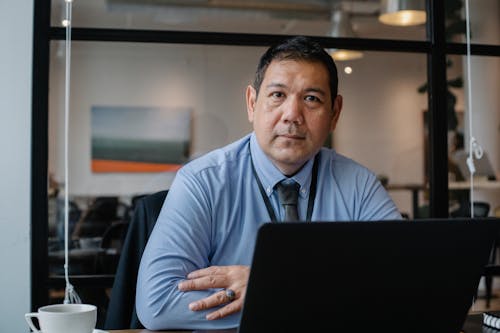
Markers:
<point>297,48</point>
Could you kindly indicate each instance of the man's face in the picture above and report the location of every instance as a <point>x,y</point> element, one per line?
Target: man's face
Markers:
<point>293,112</point>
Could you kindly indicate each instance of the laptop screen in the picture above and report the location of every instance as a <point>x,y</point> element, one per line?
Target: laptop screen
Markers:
<point>483,166</point>
<point>387,276</point>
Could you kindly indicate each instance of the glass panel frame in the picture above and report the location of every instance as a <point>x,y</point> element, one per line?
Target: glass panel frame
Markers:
<point>44,33</point>
<point>314,18</point>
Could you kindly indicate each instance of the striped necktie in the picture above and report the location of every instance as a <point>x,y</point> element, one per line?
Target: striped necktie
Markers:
<point>288,195</point>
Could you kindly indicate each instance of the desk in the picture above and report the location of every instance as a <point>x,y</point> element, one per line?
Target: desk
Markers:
<point>478,184</point>
<point>77,254</point>
<point>86,261</point>
<point>473,324</point>
<point>148,331</point>
<point>452,186</point>
<point>414,188</point>
<point>82,261</point>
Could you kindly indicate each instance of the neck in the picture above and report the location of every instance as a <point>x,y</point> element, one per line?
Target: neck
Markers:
<point>289,171</point>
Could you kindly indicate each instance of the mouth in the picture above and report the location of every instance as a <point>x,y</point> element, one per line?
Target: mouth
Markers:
<point>292,136</point>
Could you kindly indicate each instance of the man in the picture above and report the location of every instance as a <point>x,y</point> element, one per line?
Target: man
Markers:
<point>195,268</point>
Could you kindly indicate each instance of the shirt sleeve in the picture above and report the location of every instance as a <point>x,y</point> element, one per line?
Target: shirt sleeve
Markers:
<point>376,204</point>
<point>179,244</point>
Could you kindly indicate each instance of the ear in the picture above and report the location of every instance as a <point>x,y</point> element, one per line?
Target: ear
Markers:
<point>251,97</point>
<point>337,108</point>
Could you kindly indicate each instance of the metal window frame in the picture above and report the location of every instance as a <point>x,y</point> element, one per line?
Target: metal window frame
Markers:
<point>435,47</point>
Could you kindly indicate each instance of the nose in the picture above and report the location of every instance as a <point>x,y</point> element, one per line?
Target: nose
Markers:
<point>292,111</point>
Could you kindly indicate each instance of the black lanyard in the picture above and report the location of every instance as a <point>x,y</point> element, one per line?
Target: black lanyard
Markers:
<point>312,190</point>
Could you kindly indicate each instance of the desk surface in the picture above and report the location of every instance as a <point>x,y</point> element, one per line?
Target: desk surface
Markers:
<point>461,185</point>
<point>473,324</point>
<point>478,184</point>
<point>148,331</point>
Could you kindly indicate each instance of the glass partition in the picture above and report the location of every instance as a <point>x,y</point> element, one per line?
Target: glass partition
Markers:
<point>485,128</point>
<point>484,21</point>
<point>140,99</point>
<point>301,17</point>
<point>381,126</point>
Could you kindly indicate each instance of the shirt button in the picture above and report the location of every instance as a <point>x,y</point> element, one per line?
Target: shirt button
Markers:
<point>268,190</point>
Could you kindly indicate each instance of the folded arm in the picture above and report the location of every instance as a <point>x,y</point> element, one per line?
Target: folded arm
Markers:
<point>180,243</point>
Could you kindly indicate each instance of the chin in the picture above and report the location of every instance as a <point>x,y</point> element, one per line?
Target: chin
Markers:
<point>291,160</point>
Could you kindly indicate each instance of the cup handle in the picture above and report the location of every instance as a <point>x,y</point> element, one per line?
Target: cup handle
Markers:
<point>28,317</point>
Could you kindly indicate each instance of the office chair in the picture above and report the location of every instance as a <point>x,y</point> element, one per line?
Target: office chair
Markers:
<point>111,244</point>
<point>130,209</point>
<point>482,209</point>
<point>492,269</point>
<point>121,312</point>
<point>98,217</point>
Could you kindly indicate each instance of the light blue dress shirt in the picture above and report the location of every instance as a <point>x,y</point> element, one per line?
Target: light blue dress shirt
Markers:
<point>213,211</point>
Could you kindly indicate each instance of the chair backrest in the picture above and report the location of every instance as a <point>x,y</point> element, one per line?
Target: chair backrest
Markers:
<point>121,310</point>
<point>98,217</point>
<point>112,243</point>
<point>103,208</point>
<point>114,236</point>
<point>481,209</point>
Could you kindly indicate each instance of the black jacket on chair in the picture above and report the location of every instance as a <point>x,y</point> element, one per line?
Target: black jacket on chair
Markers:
<point>121,312</point>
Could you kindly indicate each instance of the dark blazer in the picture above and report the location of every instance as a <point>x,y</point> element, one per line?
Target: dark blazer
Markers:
<point>121,312</point>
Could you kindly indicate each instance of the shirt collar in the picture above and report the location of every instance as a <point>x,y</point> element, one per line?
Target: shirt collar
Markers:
<point>269,175</point>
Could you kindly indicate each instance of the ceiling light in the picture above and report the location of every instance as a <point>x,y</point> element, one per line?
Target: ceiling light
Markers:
<point>343,55</point>
<point>341,27</point>
<point>402,12</point>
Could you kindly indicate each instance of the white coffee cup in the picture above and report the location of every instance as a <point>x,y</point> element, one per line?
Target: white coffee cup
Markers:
<point>64,318</point>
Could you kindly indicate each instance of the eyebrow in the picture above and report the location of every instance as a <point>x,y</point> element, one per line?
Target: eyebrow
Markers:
<point>281,85</point>
<point>316,90</point>
<point>276,85</point>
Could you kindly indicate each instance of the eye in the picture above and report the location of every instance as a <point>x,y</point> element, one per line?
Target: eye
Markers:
<point>277,94</point>
<point>312,98</point>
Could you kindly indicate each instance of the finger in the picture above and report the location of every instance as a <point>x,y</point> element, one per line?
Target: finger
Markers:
<point>209,302</point>
<point>229,309</point>
<point>206,282</point>
<point>212,270</point>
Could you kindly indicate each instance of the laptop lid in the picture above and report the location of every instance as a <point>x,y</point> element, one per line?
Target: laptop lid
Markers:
<point>387,276</point>
<point>483,165</point>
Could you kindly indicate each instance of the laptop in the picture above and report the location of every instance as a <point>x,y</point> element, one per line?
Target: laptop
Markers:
<point>385,276</point>
<point>483,166</point>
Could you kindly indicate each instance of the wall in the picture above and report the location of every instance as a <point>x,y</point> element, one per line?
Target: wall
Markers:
<point>147,75</point>
<point>16,31</point>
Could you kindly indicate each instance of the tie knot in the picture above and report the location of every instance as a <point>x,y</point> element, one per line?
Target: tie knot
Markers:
<point>288,193</point>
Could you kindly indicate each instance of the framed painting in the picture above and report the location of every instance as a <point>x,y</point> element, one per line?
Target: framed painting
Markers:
<point>139,139</point>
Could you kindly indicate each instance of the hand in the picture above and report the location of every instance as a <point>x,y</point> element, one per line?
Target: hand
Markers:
<point>228,277</point>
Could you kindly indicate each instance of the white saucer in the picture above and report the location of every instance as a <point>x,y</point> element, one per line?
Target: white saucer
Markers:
<point>94,331</point>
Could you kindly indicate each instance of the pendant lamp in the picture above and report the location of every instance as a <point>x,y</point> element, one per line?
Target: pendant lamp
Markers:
<point>341,27</point>
<point>402,12</point>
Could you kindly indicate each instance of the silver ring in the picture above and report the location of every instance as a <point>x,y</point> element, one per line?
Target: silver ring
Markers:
<point>230,295</point>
